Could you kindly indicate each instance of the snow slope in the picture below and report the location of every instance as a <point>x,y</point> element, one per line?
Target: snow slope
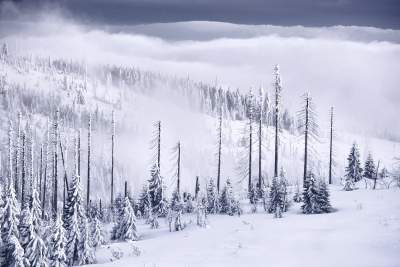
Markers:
<point>363,231</point>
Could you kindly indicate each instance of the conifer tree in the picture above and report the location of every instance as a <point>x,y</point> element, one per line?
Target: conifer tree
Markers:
<point>175,211</point>
<point>323,197</point>
<point>125,227</point>
<point>55,164</point>
<point>227,201</point>
<point>144,202</point>
<point>201,211</point>
<point>97,234</point>
<point>253,198</point>
<point>74,216</point>
<point>85,253</point>
<point>276,198</point>
<point>10,216</point>
<point>297,194</point>
<point>25,227</point>
<point>369,167</point>
<point>36,251</point>
<point>57,257</point>
<point>212,198</point>
<point>36,211</point>
<point>14,253</point>
<point>353,171</point>
<point>156,195</point>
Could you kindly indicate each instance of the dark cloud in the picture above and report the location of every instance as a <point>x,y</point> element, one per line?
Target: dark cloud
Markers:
<point>382,14</point>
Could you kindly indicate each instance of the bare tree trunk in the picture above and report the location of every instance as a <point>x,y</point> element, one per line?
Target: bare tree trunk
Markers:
<point>23,171</point>
<point>126,189</point>
<point>17,155</point>
<point>197,187</point>
<point>306,141</point>
<point>219,150</point>
<point>179,168</point>
<point>259,151</point>
<point>55,170</point>
<point>159,146</point>
<point>250,149</point>
<point>376,175</point>
<point>88,166</point>
<point>330,148</point>
<point>112,158</point>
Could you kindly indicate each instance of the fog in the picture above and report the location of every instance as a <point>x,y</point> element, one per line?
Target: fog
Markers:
<point>351,71</point>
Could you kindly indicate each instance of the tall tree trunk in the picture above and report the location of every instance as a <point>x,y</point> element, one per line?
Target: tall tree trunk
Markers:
<point>126,189</point>
<point>55,167</point>
<point>159,146</point>
<point>277,96</point>
<point>65,182</point>
<point>259,152</point>
<point>10,156</point>
<point>179,168</point>
<point>88,164</point>
<point>112,158</point>
<point>330,147</point>
<point>219,150</point>
<point>40,171</point>
<point>250,149</point>
<point>45,169</point>
<point>306,141</point>
<point>376,175</point>
<point>17,155</point>
<point>197,187</point>
<point>23,170</point>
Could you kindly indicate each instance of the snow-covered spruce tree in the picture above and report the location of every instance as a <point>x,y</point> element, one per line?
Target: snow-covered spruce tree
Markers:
<point>253,197</point>
<point>227,201</point>
<point>369,168</point>
<point>25,227</point>
<point>36,252</point>
<point>315,196</point>
<point>353,171</point>
<point>125,228</point>
<point>57,257</point>
<point>157,201</point>
<point>144,203</point>
<point>201,211</point>
<point>10,215</point>
<point>323,197</point>
<point>97,233</point>
<point>276,198</point>
<point>212,198</point>
<point>74,216</point>
<point>14,253</point>
<point>297,197</point>
<point>175,211</point>
<point>73,239</point>
<point>310,195</point>
<point>85,253</point>
<point>36,211</point>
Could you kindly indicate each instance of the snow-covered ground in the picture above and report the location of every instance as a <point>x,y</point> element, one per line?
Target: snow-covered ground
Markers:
<point>363,231</point>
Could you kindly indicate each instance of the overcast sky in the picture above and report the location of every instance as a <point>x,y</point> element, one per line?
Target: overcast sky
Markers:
<point>377,13</point>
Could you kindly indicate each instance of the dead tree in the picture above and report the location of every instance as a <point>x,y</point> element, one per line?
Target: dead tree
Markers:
<point>88,163</point>
<point>278,89</point>
<point>331,146</point>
